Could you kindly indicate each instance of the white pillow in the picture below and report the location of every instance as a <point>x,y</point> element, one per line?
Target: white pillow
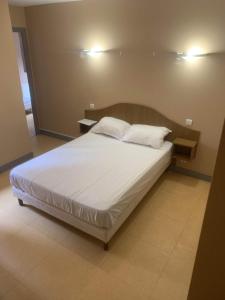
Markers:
<point>146,135</point>
<point>111,126</point>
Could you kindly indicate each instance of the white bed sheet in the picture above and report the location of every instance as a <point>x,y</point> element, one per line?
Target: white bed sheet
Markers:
<point>94,178</point>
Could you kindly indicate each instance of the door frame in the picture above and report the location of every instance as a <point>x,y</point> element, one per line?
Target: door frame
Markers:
<point>24,40</point>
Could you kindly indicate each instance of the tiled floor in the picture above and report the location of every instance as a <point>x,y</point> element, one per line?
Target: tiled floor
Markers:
<point>151,257</point>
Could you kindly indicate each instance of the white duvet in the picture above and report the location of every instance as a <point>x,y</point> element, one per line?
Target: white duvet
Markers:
<point>93,178</point>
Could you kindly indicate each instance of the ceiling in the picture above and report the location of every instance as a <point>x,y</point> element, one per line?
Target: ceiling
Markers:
<point>36,2</point>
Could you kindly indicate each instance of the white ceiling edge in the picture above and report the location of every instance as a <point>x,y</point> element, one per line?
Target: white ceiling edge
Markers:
<point>36,2</point>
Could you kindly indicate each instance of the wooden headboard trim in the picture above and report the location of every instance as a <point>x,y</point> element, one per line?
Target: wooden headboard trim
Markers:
<point>140,114</point>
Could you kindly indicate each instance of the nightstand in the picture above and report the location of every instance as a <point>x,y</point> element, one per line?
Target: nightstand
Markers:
<point>85,125</point>
<point>184,149</point>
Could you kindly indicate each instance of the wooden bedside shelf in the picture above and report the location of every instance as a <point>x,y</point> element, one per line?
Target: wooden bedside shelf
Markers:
<point>86,125</point>
<point>184,148</point>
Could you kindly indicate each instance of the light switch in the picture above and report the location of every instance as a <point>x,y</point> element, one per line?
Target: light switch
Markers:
<point>92,106</point>
<point>188,122</point>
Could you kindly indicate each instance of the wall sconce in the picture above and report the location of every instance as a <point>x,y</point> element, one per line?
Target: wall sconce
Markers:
<point>93,52</point>
<point>190,55</point>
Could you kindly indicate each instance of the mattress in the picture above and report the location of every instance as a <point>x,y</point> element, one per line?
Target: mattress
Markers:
<point>93,178</point>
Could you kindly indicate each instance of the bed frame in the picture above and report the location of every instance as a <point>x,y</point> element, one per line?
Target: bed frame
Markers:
<point>132,113</point>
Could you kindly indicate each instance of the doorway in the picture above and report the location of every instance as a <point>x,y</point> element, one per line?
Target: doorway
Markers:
<point>20,40</point>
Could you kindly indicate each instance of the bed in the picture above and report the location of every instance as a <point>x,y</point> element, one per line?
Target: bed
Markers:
<point>94,182</point>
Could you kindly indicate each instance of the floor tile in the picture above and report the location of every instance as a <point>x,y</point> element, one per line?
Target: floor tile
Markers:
<point>19,292</point>
<point>104,287</point>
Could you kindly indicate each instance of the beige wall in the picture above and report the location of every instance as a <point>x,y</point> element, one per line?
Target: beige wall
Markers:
<point>13,128</point>
<point>209,270</point>
<point>66,84</point>
<point>17,15</point>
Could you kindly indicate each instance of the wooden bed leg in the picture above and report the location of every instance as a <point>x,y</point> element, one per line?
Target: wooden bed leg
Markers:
<point>106,246</point>
<point>20,202</point>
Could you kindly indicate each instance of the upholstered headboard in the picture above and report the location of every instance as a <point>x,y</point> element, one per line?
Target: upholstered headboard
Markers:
<point>140,114</point>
